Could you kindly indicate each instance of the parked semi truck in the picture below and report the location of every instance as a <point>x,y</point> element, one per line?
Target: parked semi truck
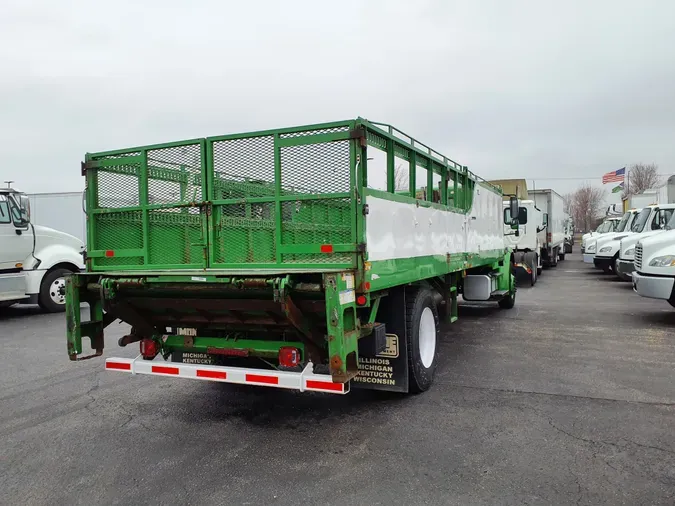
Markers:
<point>526,245</point>
<point>654,274</point>
<point>601,259</point>
<point>34,260</point>
<point>553,234</point>
<point>608,225</point>
<point>272,260</point>
<point>649,221</point>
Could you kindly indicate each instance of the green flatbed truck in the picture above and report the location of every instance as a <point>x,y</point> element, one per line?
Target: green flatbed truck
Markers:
<point>286,258</point>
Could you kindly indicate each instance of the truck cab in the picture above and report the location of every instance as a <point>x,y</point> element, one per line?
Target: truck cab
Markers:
<point>607,226</point>
<point>654,274</point>
<point>34,260</point>
<point>603,251</point>
<point>526,246</point>
<point>649,221</point>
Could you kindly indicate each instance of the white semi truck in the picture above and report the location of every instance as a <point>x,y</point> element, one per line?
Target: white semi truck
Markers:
<point>594,245</point>
<point>34,260</point>
<point>552,236</point>
<point>654,274</point>
<point>649,221</point>
<point>526,245</point>
<point>607,226</point>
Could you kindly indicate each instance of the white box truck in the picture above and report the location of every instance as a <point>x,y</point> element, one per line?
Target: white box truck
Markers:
<point>552,236</point>
<point>34,260</point>
<point>526,246</point>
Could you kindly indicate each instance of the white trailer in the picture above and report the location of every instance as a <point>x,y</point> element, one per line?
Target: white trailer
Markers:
<point>61,211</point>
<point>552,236</point>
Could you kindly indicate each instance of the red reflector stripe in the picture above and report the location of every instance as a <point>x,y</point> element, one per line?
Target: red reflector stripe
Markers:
<point>118,365</point>
<point>325,385</point>
<point>211,374</point>
<point>109,253</point>
<point>326,248</point>
<point>259,378</point>
<point>164,370</point>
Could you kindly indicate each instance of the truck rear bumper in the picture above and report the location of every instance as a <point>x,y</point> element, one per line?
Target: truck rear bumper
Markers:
<point>626,268</point>
<point>305,381</point>
<point>653,287</point>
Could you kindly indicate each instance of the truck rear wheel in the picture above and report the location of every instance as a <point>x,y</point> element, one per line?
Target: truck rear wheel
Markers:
<point>422,333</point>
<point>509,300</point>
<point>52,297</point>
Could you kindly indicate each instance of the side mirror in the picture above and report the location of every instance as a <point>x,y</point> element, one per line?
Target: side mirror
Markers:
<point>514,208</point>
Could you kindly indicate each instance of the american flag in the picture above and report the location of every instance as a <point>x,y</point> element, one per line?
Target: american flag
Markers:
<point>614,177</point>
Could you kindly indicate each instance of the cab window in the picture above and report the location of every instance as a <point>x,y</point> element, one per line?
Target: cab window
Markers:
<point>661,219</point>
<point>4,211</point>
<point>522,216</point>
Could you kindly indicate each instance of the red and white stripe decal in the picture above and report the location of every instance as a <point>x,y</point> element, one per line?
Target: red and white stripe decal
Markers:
<point>305,380</point>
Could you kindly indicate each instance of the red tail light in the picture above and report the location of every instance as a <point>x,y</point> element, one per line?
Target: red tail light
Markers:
<point>289,356</point>
<point>361,300</point>
<point>149,348</point>
<point>549,237</point>
<point>326,248</point>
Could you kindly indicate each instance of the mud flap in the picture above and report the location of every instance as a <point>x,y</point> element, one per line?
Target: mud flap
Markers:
<point>388,368</point>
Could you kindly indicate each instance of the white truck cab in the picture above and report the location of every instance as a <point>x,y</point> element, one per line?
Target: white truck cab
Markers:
<point>607,226</point>
<point>34,260</point>
<point>654,274</point>
<point>603,251</point>
<point>649,221</point>
<point>526,246</point>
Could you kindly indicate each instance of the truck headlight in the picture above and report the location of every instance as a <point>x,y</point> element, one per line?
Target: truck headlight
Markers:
<point>630,252</point>
<point>605,249</point>
<point>590,248</point>
<point>664,261</point>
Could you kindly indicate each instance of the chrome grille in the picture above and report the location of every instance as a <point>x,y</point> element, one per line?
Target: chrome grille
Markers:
<point>638,256</point>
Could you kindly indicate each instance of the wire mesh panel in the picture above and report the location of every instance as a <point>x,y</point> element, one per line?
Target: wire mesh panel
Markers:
<point>146,207</point>
<point>279,196</point>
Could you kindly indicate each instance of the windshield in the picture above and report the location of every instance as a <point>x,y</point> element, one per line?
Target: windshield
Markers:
<point>622,223</point>
<point>641,220</point>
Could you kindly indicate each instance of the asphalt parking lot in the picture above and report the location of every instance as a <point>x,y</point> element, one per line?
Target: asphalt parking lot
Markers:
<point>569,398</point>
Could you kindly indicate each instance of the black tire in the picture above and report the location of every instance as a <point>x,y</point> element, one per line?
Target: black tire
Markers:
<point>420,375</point>
<point>509,300</point>
<point>607,269</point>
<point>539,269</point>
<point>51,289</point>
<point>561,257</point>
<point>672,302</point>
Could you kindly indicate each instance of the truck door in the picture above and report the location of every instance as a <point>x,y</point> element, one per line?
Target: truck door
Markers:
<point>16,239</point>
<point>661,218</point>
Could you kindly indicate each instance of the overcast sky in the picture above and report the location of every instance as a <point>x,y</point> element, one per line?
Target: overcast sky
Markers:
<point>532,89</point>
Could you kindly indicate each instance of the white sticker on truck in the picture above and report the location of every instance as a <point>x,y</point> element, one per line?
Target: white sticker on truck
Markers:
<point>347,297</point>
